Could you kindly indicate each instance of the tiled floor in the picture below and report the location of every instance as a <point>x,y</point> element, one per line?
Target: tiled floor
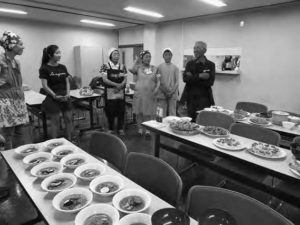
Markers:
<point>18,209</point>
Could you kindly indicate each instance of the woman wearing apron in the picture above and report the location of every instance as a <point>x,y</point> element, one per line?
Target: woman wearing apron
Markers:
<point>13,111</point>
<point>114,77</point>
<point>146,88</point>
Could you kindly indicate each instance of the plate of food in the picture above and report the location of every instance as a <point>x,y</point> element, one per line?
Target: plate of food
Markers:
<point>72,161</point>
<point>37,158</point>
<point>243,112</point>
<point>229,143</point>
<point>107,185</point>
<point>28,149</point>
<point>89,171</point>
<point>98,214</point>
<point>259,121</point>
<point>86,91</point>
<point>267,151</point>
<point>215,132</point>
<point>184,127</point>
<point>63,150</point>
<point>238,116</point>
<point>72,200</point>
<point>53,143</point>
<point>136,219</point>
<point>46,169</point>
<point>58,182</point>
<point>131,201</point>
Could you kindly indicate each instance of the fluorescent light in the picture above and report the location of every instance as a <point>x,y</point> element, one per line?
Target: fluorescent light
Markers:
<point>12,11</point>
<point>97,23</point>
<point>217,3</point>
<point>143,12</point>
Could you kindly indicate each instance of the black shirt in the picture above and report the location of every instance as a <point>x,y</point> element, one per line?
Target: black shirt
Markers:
<point>56,77</point>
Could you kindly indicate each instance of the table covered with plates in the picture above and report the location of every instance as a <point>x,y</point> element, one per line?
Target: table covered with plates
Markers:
<point>277,165</point>
<point>43,200</point>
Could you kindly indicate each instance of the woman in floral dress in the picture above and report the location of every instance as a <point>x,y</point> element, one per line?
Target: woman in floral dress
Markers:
<point>146,88</point>
<point>13,111</point>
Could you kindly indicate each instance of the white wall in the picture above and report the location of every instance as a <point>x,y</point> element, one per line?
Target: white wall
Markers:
<point>38,35</point>
<point>131,35</point>
<point>270,42</point>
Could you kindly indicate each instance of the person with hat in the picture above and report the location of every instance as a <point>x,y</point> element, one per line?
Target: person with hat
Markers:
<point>13,110</point>
<point>56,83</point>
<point>199,76</point>
<point>169,82</point>
<point>114,76</point>
<point>147,82</point>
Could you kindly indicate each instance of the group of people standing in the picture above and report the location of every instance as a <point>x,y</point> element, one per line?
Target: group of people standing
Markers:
<point>154,86</point>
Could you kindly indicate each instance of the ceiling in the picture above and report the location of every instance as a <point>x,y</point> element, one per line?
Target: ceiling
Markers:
<point>72,11</point>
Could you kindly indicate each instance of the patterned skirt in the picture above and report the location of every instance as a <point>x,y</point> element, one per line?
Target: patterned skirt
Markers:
<point>13,112</point>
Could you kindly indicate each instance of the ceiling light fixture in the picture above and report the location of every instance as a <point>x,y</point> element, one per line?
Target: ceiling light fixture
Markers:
<point>97,23</point>
<point>12,11</point>
<point>143,12</point>
<point>217,3</point>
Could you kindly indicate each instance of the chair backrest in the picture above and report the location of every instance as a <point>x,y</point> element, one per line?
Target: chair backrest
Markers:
<point>208,118</point>
<point>244,209</point>
<point>108,147</point>
<point>252,107</point>
<point>296,139</point>
<point>256,133</point>
<point>155,175</point>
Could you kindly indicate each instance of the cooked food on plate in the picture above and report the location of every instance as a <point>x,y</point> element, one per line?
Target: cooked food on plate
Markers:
<point>75,162</point>
<point>64,152</point>
<point>106,187</point>
<point>38,160</point>
<point>215,131</point>
<point>242,112</point>
<point>55,144</point>
<point>229,142</point>
<point>184,125</point>
<point>98,219</point>
<point>29,150</point>
<point>264,149</point>
<point>90,173</point>
<point>259,120</point>
<point>132,203</point>
<point>59,184</point>
<point>238,116</point>
<point>72,202</point>
<point>47,171</point>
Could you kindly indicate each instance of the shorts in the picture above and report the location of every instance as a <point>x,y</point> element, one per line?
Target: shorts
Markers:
<point>52,106</point>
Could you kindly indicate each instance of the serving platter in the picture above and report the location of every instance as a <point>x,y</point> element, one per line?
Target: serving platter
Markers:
<point>266,151</point>
<point>214,132</point>
<point>229,143</point>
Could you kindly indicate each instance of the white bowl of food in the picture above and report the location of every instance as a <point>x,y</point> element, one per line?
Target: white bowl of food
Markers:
<point>37,158</point>
<point>72,200</point>
<point>136,218</point>
<point>294,119</point>
<point>53,143</point>
<point>89,171</point>
<point>98,214</point>
<point>64,150</point>
<point>46,169</point>
<point>131,200</point>
<point>170,119</point>
<point>288,125</point>
<point>58,182</point>
<point>72,161</point>
<point>186,118</point>
<point>279,116</point>
<point>28,149</point>
<point>107,185</point>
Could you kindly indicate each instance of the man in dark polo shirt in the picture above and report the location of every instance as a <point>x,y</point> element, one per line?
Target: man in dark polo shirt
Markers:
<point>199,76</point>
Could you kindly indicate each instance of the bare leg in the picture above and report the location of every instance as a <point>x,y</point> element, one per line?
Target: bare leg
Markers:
<point>147,118</point>
<point>139,120</point>
<point>8,133</point>
<point>54,118</point>
<point>68,123</point>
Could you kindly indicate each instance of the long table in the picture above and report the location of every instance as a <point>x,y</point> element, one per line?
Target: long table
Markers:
<point>43,200</point>
<point>203,144</point>
<point>34,101</point>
